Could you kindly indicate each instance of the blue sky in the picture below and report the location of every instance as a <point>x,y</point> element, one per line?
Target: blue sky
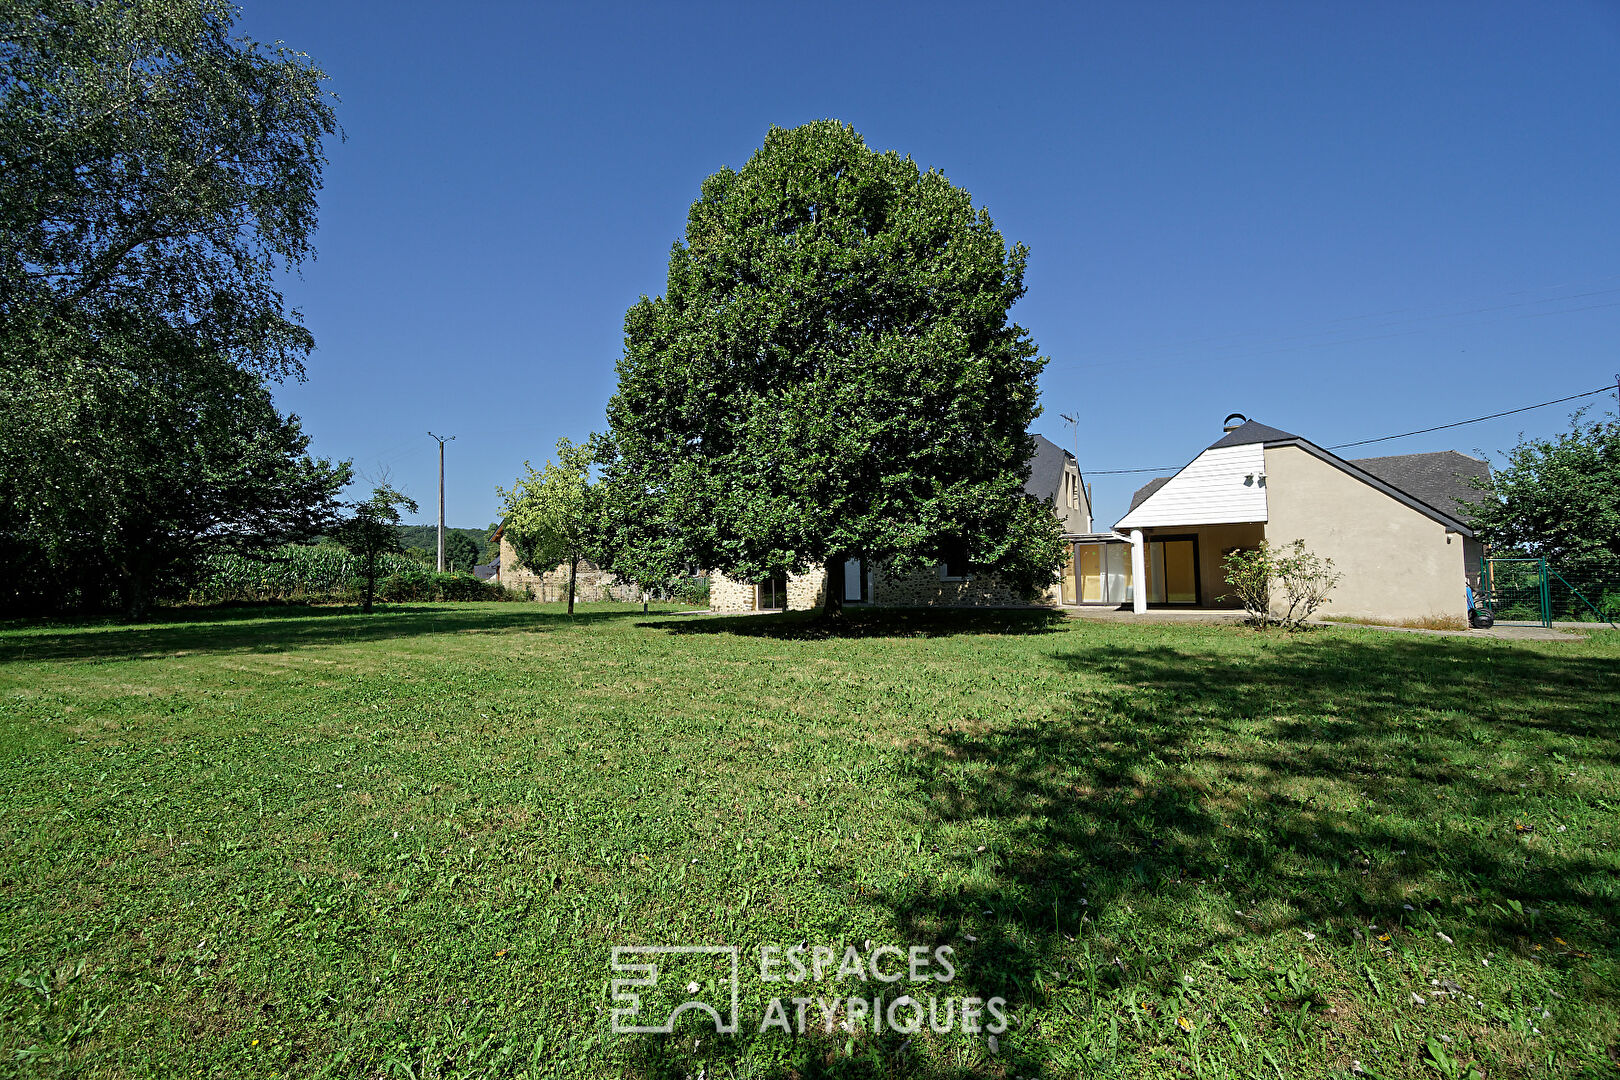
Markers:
<point>1345,220</point>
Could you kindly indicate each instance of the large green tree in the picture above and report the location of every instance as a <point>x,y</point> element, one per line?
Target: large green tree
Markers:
<point>1559,498</point>
<point>153,166</point>
<point>831,372</point>
<point>116,479</point>
<point>155,175</point>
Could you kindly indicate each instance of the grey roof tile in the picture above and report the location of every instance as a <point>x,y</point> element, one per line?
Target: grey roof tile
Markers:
<point>1439,479</point>
<point>1046,469</point>
<point>1251,431</point>
<point>1147,489</point>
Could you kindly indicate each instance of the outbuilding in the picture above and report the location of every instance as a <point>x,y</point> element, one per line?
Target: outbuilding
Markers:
<point>1403,548</point>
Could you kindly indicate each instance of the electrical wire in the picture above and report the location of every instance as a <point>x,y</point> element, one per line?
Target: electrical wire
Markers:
<point>1387,438</point>
<point>1477,419</point>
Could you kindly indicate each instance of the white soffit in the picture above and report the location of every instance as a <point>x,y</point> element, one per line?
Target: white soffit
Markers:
<point>1222,486</point>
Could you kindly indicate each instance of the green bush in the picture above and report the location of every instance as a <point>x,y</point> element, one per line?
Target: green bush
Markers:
<point>327,572</point>
<point>693,590</point>
<point>427,585</point>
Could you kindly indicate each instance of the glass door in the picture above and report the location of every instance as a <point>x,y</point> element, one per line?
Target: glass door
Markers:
<point>1173,571</point>
<point>1102,573</point>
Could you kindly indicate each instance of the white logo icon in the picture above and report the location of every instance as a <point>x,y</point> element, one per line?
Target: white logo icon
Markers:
<point>629,1001</point>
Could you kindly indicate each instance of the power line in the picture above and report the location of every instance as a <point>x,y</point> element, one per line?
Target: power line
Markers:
<point>1402,435</point>
<point>1475,420</point>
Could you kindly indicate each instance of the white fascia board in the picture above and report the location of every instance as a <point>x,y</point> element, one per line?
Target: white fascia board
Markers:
<point>1222,486</point>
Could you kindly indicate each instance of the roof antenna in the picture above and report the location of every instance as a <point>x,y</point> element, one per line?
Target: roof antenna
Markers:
<point>1234,421</point>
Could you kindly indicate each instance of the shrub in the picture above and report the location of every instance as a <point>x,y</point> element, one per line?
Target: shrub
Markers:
<point>427,585</point>
<point>326,572</point>
<point>1304,580</point>
<point>692,590</point>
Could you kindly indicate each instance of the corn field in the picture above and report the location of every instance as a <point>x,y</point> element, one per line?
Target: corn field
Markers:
<point>295,572</point>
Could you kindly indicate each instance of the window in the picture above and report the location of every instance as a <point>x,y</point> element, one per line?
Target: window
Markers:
<point>771,595</point>
<point>955,564</point>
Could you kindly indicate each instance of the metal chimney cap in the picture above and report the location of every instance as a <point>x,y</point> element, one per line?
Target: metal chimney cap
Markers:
<point>1234,421</point>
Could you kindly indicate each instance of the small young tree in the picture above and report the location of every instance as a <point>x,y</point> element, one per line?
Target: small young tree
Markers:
<point>1258,575</point>
<point>548,512</point>
<point>373,531</point>
<point>1249,573</point>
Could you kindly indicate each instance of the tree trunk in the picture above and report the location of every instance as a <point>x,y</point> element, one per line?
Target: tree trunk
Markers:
<point>137,595</point>
<point>573,572</point>
<point>833,603</point>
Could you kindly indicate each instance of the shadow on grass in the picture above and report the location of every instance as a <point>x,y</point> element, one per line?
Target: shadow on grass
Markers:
<point>1325,779</point>
<point>279,629</point>
<point>1320,781</point>
<point>877,623</point>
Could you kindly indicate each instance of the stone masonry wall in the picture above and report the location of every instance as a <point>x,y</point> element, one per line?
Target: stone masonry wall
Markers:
<point>921,589</point>
<point>804,592</point>
<point>924,588</point>
<point>589,583</point>
<point>729,596</point>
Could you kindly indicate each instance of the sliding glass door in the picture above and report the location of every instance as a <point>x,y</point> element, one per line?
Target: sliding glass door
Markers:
<point>1100,573</point>
<point>1173,571</point>
<point>1104,573</point>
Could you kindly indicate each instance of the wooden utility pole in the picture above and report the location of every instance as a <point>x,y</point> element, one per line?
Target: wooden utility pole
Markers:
<point>442,440</point>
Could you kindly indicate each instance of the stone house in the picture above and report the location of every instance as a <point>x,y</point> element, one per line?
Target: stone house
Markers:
<point>590,582</point>
<point>1054,478</point>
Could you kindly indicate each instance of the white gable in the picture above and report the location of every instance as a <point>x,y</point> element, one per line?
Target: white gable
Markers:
<point>1221,486</point>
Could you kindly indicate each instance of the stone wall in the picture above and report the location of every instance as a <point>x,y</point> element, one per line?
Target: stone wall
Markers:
<point>590,584</point>
<point>804,592</point>
<point>729,596</point>
<point>923,589</point>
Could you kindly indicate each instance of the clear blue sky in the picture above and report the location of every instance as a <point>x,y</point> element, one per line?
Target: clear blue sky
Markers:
<point>1345,220</point>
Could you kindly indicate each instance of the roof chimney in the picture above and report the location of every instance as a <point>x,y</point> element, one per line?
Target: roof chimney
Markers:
<point>1235,421</point>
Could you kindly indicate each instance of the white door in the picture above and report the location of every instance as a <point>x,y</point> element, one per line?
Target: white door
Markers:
<point>852,580</point>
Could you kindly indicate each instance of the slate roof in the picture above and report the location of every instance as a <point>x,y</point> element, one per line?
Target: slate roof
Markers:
<point>1251,431</point>
<point>1439,479</point>
<point>1046,469</point>
<point>1147,489</point>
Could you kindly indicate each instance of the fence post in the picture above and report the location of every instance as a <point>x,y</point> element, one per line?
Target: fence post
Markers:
<point>1546,597</point>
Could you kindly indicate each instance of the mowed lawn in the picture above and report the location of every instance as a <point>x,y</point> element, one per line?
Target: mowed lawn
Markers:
<point>307,842</point>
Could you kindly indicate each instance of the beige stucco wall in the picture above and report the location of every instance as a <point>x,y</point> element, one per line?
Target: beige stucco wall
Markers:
<point>1397,563</point>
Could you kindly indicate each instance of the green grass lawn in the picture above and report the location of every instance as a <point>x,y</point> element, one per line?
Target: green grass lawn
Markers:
<point>304,842</point>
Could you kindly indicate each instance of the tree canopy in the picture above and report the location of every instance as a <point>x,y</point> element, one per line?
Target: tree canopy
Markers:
<point>1559,498</point>
<point>550,512</point>
<point>152,166</point>
<point>156,173</point>
<point>372,530</point>
<point>831,372</point>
